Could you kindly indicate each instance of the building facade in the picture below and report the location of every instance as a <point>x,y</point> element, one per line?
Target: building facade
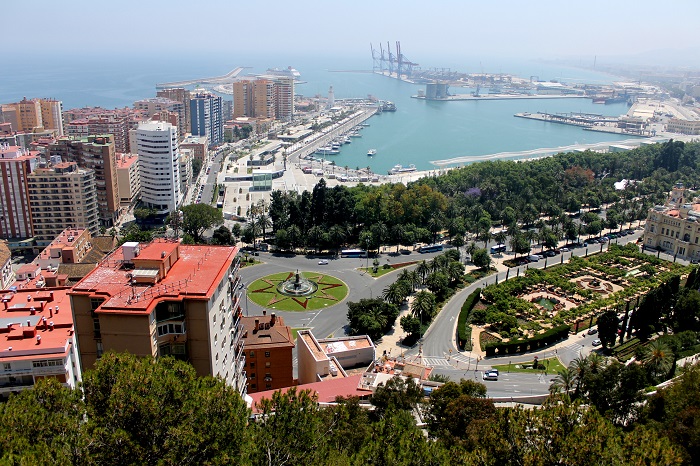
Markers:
<point>181,301</point>
<point>129,179</point>
<point>183,96</point>
<point>206,117</point>
<point>675,226</point>
<point>198,145</point>
<point>81,122</point>
<point>268,346</point>
<point>676,125</point>
<point>96,153</point>
<point>159,166</point>
<point>155,106</point>
<point>62,196</point>
<point>16,165</point>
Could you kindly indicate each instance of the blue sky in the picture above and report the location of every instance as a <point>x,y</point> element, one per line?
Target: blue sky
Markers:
<point>429,31</point>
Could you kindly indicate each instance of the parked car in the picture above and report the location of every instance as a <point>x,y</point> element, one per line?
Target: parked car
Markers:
<point>534,258</point>
<point>592,331</point>
<point>564,250</point>
<point>597,343</point>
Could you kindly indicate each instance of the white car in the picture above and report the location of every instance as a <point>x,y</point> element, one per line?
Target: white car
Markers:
<point>597,343</point>
<point>323,262</point>
<point>490,375</point>
<point>564,249</point>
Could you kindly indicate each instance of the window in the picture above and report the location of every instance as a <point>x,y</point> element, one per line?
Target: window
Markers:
<point>268,385</point>
<point>176,329</point>
<point>267,354</point>
<point>7,366</point>
<point>252,354</point>
<point>252,375</point>
<point>253,386</point>
<point>267,364</point>
<point>252,365</point>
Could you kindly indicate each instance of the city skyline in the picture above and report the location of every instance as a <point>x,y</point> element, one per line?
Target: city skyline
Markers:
<point>623,31</point>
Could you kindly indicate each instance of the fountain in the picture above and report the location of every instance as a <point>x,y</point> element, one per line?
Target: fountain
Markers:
<point>297,286</point>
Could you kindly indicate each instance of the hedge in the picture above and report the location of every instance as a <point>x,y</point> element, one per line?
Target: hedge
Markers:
<point>531,344</point>
<point>463,335</point>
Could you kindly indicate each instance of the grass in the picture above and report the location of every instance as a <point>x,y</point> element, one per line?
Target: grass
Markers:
<point>331,290</point>
<point>553,365</point>
<point>295,332</point>
<point>380,271</point>
<point>248,263</point>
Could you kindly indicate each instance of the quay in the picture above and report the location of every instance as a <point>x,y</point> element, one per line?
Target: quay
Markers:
<point>500,97</point>
<point>588,121</point>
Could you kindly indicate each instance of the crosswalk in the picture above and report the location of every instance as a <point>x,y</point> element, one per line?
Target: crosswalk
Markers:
<point>436,362</point>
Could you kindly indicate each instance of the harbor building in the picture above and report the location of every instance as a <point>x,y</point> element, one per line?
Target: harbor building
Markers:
<point>675,226</point>
<point>37,339</point>
<point>268,346</point>
<point>183,96</point>
<point>96,153</point>
<point>159,166</point>
<point>206,117</point>
<point>62,195</point>
<point>165,299</point>
<point>676,125</point>
<point>129,179</point>
<point>16,164</point>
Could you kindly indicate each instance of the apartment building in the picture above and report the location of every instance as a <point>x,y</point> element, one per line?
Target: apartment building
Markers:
<point>198,145</point>
<point>97,153</point>
<point>82,122</point>
<point>7,274</point>
<point>675,226</point>
<point>129,179</point>
<point>183,96</point>
<point>284,98</point>
<point>156,106</point>
<point>268,97</point>
<point>186,178</point>
<point>164,299</point>
<point>159,166</point>
<point>71,246</point>
<point>206,117</point>
<point>15,212</point>
<point>62,195</point>
<point>37,339</point>
<point>268,345</point>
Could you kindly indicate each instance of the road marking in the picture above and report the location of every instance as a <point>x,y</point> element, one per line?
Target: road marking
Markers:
<point>436,362</point>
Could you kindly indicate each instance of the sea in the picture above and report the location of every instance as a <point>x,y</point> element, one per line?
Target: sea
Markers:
<point>417,133</point>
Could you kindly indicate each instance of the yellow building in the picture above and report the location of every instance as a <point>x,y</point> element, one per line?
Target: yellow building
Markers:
<point>675,226</point>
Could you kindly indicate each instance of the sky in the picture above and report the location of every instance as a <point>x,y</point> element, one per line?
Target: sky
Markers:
<point>431,32</point>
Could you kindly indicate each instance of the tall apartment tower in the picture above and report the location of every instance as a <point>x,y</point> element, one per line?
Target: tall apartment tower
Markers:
<point>263,99</point>
<point>159,165</point>
<point>52,114</point>
<point>15,213</point>
<point>180,301</point>
<point>96,153</point>
<point>183,96</point>
<point>85,121</point>
<point>29,115</point>
<point>62,196</point>
<point>206,117</point>
<point>284,98</point>
<point>242,98</point>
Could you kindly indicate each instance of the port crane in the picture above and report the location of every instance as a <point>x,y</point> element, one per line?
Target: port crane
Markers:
<point>392,62</point>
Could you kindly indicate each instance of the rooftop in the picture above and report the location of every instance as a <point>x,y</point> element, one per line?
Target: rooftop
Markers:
<point>193,272</point>
<point>126,160</point>
<point>326,391</point>
<point>273,334</point>
<point>35,322</point>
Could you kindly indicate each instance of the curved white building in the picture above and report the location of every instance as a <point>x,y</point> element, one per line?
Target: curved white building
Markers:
<point>159,165</point>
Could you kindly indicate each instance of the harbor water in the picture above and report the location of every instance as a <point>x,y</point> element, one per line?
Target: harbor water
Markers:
<point>418,132</point>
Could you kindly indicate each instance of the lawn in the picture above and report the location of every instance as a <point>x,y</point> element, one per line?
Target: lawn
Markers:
<point>331,290</point>
<point>553,365</point>
<point>295,332</point>
<point>382,270</point>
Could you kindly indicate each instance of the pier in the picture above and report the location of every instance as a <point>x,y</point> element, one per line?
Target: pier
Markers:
<point>500,97</point>
<point>227,78</point>
<point>546,152</point>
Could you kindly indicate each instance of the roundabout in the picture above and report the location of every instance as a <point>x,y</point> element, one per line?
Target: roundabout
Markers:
<point>297,291</point>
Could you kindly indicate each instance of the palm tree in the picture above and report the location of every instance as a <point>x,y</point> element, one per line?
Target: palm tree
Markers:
<point>337,235</point>
<point>596,362</point>
<point>263,221</point>
<point>413,278</point>
<point>455,271</point>
<point>394,293</point>
<point>500,237</point>
<point>658,359</point>
<point>423,270</point>
<point>423,306</point>
<point>398,232</point>
<point>563,382</point>
<point>579,367</point>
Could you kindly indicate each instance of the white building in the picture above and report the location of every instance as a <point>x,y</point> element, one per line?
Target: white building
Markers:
<point>159,165</point>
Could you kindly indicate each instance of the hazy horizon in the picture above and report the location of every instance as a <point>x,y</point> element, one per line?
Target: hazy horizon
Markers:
<point>439,34</point>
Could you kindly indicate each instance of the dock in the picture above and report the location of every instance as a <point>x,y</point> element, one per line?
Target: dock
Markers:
<point>587,121</point>
<point>227,78</point>
<point>500,97</point>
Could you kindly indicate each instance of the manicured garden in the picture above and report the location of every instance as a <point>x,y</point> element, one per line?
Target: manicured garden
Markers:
<point>265,292</point>
<point>549,365</point>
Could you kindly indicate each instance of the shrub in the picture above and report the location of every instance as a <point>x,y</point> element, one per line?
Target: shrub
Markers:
<point>463,335</point>
<point>530,344</point>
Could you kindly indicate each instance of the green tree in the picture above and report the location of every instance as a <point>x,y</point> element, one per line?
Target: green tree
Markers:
<point>423,306</point>
<point>222,236</point>
<point>197,218</point>
<point>410,325</point>
<point>395,293</point>
<point>396,394</point>
<point>607,328</point>
<point>145,411</point>
<point>658,360</point>
<point>482,259</point>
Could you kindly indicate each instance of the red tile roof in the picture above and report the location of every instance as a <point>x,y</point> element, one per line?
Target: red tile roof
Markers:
<point>20,325</point>
<point>327,391</point>
<point>195,275</point>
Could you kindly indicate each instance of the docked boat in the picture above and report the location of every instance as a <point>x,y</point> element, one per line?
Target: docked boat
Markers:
<point>371,152</point>
<point>327,151</point>
<point>355,134</point>
<point>363,125</point>
<point>400,169</point>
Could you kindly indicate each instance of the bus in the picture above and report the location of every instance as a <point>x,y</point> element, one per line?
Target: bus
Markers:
<point>499,248</point>
<point>430,248</point>
<point>353,253</point>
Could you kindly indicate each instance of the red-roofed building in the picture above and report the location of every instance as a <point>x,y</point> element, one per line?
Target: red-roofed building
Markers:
<point>129,179</point>
<point>15,212</point>
<point>37,339</point>
<point>165,299</point>
<point>268,346</point>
